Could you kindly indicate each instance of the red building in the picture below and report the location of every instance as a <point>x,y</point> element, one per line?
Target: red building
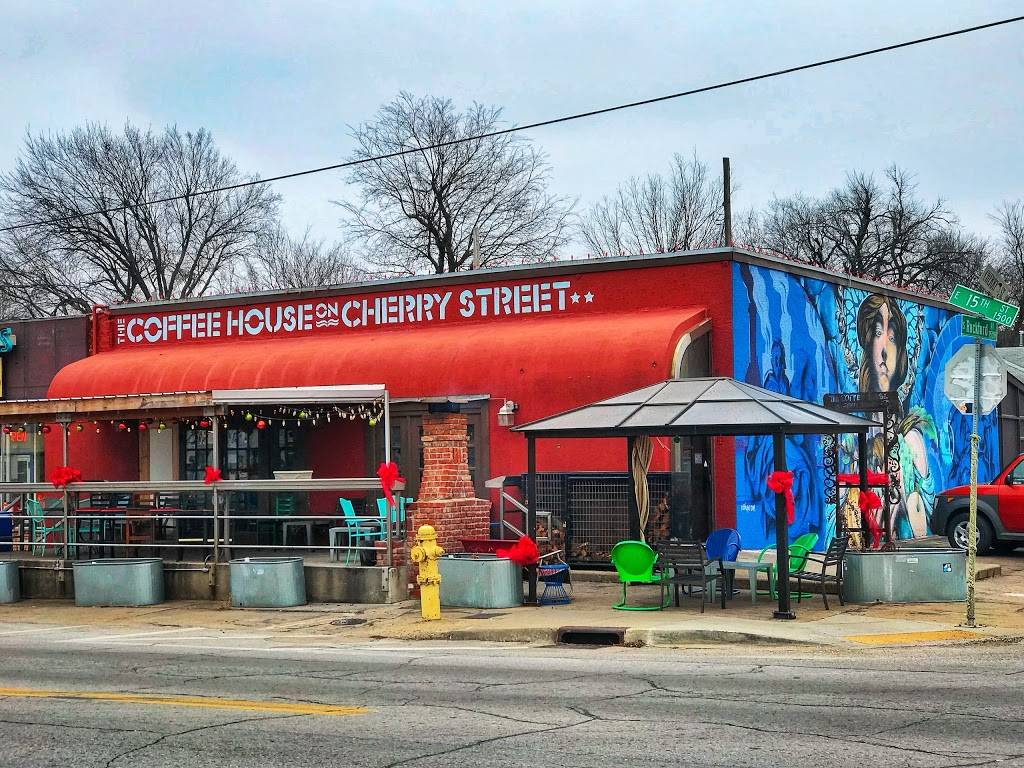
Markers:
<point>535,340</point>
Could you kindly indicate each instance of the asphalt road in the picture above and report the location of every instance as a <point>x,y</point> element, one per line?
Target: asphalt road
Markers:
<point>179,697</point>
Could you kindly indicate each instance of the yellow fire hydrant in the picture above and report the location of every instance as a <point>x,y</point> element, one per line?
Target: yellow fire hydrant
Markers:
<point>425,553</point>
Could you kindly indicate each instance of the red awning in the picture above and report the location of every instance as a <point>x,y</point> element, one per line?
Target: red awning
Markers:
<point>569,355</point>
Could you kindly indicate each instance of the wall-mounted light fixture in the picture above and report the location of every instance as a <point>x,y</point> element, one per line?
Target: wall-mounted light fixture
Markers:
<point>507,413</point>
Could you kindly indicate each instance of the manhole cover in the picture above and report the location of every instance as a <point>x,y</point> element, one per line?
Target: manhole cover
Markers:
<point>347,622</point>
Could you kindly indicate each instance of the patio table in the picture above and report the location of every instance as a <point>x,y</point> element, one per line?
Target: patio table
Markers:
<point>751,567</point>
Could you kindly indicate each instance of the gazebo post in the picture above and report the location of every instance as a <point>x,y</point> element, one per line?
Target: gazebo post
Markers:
<point>632,510</point>
<point>781,535</point>
<point>531,511</point>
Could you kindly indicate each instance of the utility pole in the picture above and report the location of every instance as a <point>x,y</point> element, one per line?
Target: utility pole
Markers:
<point>476,248</point>
<point>972,514</point>
<point>727,200</point>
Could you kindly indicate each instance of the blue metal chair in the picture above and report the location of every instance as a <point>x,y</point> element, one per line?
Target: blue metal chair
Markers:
<point>724,544</point>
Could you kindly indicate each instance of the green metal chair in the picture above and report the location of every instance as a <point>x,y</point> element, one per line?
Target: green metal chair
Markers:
<point>801,547</point>
<point>40,528</point>
<point>634,561</point>
<point>284,506</point>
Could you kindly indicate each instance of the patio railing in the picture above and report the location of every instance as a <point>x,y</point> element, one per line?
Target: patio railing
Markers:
<point>220,520</point>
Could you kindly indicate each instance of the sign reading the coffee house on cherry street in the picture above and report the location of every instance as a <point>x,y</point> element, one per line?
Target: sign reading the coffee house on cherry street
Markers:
<point>992,309</point>
<point>358,311</point>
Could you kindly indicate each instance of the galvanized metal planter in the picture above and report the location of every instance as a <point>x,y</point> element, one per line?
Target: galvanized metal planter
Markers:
<point>10,582</point>
<point>480,581</point>
<point>267,582</point>
<point>906,576</point>
<point>119,581</point>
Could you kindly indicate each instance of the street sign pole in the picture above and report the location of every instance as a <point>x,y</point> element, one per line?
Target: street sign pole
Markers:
<point>972,519</point>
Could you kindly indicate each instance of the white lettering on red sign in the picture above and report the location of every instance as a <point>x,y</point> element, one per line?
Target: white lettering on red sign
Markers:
<point>361,312</point>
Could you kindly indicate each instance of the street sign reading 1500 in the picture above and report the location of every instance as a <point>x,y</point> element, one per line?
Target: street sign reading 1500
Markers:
<point>980,304</point>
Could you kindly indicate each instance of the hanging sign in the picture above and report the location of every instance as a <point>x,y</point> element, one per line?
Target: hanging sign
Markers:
<point>7,340</point>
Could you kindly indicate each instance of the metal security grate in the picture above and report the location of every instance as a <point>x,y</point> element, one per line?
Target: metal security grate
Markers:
<point>591,509</point>
<point>597,516</point>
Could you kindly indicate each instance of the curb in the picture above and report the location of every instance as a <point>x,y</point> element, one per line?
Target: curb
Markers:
<point>655,638</point>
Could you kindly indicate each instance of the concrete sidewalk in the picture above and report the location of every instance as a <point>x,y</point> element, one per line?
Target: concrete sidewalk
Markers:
<point>1000,614</point>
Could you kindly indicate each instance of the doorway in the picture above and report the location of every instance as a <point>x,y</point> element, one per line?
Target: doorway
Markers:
<point>691,503</point>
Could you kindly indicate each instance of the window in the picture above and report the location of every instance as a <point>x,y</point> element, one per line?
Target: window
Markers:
<point>287,454</point>
<point>242,454</point>
<point>1017,476</point>
<point>197,453</point>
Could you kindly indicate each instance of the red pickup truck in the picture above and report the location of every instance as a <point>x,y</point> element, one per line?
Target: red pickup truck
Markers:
<point>1000,511</point>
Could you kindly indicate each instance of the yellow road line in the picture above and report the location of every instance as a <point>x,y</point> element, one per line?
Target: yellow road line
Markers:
<point>200,702</point>
<point>913,637</point>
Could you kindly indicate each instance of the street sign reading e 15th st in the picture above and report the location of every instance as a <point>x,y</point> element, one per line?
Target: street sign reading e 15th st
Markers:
<point>978,326</point>
<point>997,311</point>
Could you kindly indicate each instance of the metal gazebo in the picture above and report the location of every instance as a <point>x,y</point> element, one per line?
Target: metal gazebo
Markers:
<point>710,407</point>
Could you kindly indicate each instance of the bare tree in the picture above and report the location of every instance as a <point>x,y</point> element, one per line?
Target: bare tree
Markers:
<point>883,232</point>
<point>681,210</point>
<point>1010,261</point>
<point>282,263</point>
<point>418,212</point>
<point>167,250</point>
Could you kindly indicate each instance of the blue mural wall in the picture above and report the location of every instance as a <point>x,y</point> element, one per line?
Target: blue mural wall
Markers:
<point>806,337</point>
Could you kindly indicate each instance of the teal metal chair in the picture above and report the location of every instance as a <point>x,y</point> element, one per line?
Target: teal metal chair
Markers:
<point>40,528</point>
<point>634,561</point>
<point>397,513</point>
<point>354,530</point>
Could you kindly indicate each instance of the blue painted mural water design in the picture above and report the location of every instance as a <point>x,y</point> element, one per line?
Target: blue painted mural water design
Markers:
<point>806,337</point>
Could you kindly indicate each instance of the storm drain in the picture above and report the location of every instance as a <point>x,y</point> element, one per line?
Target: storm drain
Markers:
<point>348,621</point>
<point>590,635</point>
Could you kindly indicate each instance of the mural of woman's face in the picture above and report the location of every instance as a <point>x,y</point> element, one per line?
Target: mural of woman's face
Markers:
<point>883,350</point>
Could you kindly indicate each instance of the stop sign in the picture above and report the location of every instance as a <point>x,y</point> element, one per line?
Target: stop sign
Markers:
<point>959,378</point>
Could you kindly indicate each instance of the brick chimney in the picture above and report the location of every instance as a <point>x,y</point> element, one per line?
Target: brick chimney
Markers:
<point>446,498</point>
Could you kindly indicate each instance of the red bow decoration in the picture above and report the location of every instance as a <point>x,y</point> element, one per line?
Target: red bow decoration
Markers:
<point>852,478</point>
<point>388,474</point>
<point>869,502</point>
<point>62,476</point>
<point>523,552</point>
<point>212,476</point>
<point>782,482</point>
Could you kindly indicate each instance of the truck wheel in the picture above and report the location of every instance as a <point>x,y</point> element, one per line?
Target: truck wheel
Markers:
<point>957,533</point>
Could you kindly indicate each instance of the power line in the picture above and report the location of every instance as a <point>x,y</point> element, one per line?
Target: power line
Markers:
<point>530,126</point>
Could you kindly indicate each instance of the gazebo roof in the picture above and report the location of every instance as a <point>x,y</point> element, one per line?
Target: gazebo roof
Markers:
<point>708,406</point>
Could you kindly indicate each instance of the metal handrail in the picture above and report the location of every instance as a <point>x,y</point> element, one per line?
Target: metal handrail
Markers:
<point>174,486</point>
<point>70,512</point>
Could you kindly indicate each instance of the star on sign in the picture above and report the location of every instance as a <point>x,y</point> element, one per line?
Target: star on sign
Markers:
<point>575,298</point>
<point>589,297</point>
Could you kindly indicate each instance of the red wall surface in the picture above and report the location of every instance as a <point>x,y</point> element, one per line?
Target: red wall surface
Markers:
<point>623,339</point>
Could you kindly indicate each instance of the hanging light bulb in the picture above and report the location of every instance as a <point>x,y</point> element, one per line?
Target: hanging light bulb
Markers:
<point>161,426</point>
<point>79,427</point>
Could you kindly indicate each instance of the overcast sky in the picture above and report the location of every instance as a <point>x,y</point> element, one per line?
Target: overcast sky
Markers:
<point>278,84</point>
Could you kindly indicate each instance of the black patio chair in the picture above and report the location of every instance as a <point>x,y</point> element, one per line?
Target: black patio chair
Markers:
<point>832,559</point>
<point>687,565</point>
